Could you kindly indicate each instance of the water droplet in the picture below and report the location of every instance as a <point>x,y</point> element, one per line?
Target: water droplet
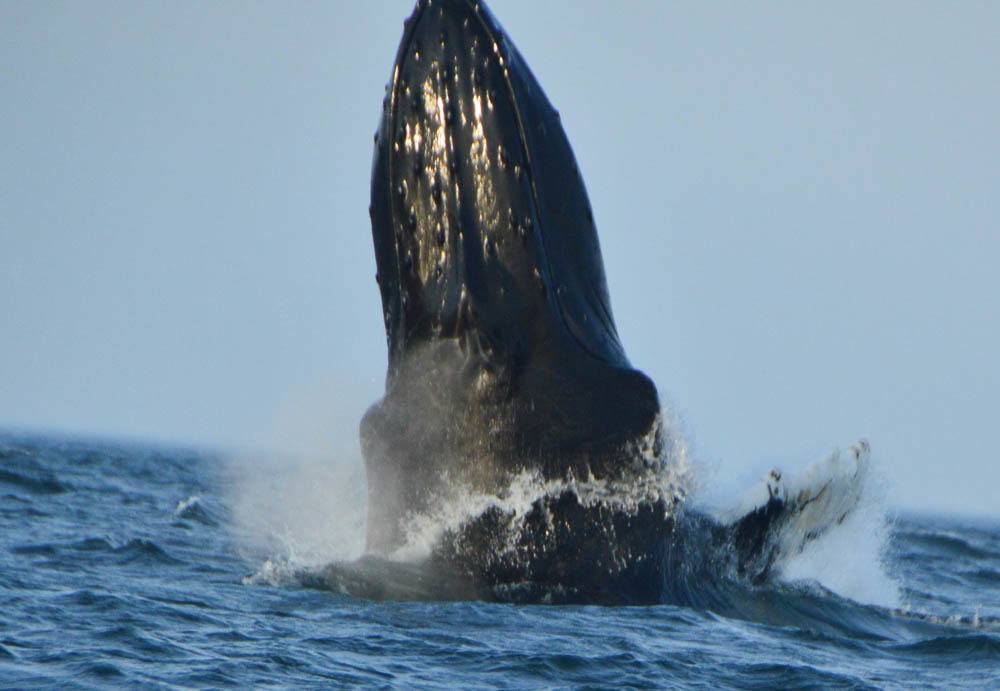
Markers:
<point>439,236</point>
<point>541,283</point>
<point>401,190</point>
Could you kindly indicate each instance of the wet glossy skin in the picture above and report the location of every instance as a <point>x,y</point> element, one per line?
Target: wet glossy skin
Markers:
<point>478,206</point>
<point>503,353</point>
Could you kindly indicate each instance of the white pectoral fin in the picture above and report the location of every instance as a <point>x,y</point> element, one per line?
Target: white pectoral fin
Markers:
<point>784,513</point>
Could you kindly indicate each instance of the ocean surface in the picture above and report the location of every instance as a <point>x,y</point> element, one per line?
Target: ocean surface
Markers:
<point>128,565</point>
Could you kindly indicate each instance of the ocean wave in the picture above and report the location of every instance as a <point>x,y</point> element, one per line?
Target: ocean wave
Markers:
<point>136,550</point>
<point>978,646</point>
<point>194,509</point>
<point>946,543</point>
<point>144,551</point>
<point>33,480</point>
<point>785,676</point>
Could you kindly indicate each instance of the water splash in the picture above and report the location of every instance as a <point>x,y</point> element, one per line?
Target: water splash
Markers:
<point>304,512</point>
<point>848,557</point>
<point>303,504</point>
<point>662,472</point>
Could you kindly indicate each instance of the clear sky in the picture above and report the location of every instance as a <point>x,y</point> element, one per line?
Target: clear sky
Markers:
<point>799,206</point>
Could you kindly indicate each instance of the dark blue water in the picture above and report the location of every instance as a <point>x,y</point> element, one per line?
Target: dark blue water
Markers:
<point>124,565</point>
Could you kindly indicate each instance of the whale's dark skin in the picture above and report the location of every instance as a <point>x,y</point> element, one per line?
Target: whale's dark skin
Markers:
<point>503,351</point>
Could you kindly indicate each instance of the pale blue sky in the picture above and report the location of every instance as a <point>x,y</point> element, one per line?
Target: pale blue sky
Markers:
<point>798,205</point>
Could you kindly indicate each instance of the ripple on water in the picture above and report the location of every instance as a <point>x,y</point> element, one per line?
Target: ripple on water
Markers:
<point>33,481</point>
<point>46,549</point>
<point>136,550</point>
<point>144,551</point>
<point>103,671</point>
<point>941,544</point>
<point>91,544</point>
<point>140,642</point>
<point>784,676</point>
<point>193,509</point>
<point>92,600</point>
<point>955,648</point>
<point>985,576</point>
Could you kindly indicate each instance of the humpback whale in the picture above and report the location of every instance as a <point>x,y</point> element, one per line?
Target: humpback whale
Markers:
<point>504,363</point>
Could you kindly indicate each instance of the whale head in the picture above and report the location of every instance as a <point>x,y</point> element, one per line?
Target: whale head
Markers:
<point>502,348</point>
